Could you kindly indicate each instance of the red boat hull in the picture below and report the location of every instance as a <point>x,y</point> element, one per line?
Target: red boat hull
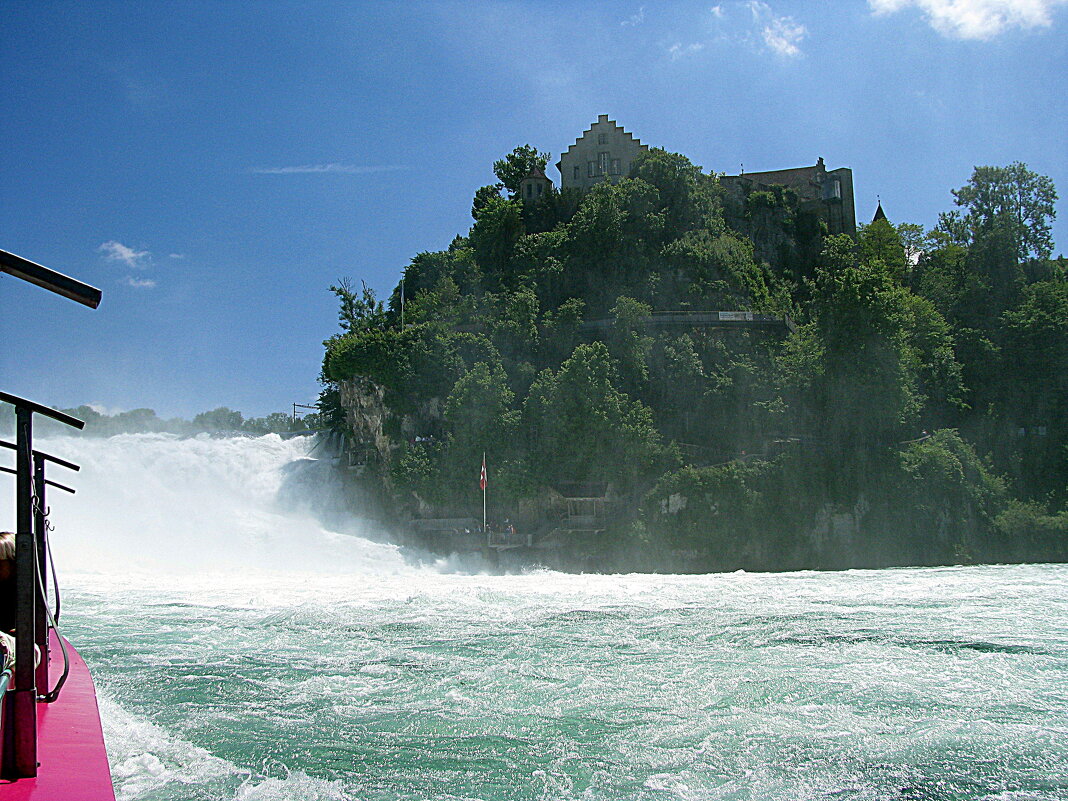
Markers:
<point>70,744</point>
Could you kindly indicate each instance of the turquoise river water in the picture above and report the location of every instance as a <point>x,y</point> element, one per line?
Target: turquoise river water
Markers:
<point>242,650</point>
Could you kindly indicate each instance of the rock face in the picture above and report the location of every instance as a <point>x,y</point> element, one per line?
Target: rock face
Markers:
<point>367,415</point>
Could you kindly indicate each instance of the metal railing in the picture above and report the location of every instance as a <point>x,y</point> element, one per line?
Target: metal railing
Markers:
<point>32,616</point>
<point>18,743</point>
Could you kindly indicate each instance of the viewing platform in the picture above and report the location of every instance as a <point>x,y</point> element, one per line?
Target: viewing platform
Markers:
<point>700,319</point>
<point>681,319</point>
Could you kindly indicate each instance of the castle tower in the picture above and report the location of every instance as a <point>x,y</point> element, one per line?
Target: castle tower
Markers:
<point>604,152</point>
<point>534,186</point>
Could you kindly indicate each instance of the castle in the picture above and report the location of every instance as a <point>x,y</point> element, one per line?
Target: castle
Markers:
<point>827,192</point>
<point>605,152</point>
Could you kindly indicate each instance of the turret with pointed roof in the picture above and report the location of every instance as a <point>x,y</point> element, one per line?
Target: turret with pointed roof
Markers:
<point>534,186</point>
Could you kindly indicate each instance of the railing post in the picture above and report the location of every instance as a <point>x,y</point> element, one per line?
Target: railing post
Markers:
<point>40,521</point>
<point>25,693</point>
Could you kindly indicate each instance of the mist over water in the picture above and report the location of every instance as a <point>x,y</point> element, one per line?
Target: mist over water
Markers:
<point>242,650</point>
<point>158,503</point>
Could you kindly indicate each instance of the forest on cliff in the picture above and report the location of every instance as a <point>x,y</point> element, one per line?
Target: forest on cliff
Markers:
<point>917,386</point>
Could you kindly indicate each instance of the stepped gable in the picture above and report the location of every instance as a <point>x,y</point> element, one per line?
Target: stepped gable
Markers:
<point>603,118</point>
<point>604,152</point>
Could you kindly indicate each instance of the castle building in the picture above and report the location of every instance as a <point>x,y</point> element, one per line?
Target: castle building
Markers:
<point>828,191</point>
<point>604,152</point>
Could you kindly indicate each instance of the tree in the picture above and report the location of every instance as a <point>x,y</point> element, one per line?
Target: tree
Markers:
<point>718,270</point>
<point>581,427</point>
<point>864,395</point>
<point>494,236</point>
<point>358,312</point>
<point>515,326</point>
<point>1033,386</point>
<point>517,165</point>
<point>1010,202</point>
<point>687,196</point>
<point>562,330</point>
<point>886,356</point>
<point>629,344</point>
<point>221,419</point>
<point>274,423</point>
<point>483,195</point>
<point>478,411</point>
<point>881,240</point>
<point>593,248</point>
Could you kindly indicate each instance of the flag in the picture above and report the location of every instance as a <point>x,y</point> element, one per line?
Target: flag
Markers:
<point>482,478</point>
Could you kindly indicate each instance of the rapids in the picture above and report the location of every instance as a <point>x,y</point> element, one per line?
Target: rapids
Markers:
<point>242,650</point>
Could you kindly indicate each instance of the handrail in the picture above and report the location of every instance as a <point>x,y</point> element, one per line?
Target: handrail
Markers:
<point>31,531</point>
<point>49,279</point>
<point>47,456</point>
<point>39,408</point>
<point>48,481</point>
<point>31,613</point>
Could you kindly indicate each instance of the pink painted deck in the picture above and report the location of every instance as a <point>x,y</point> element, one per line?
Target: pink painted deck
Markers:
<point>70,743</point>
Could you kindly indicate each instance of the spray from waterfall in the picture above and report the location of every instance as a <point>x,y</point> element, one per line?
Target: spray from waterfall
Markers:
<point>160,504</point>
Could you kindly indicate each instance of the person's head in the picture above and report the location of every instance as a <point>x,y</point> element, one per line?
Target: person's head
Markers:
<point>7,555</point>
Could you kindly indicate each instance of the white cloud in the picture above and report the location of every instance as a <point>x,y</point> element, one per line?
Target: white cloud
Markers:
<point>718,12</point>
<point>782,34</point>
<point>678,50</point>
<point>116,251</point>
<point>176,256</point>
<point>637,19</point>
<point>139,283</point>
<point>976,19</point>
<point>333,167</point>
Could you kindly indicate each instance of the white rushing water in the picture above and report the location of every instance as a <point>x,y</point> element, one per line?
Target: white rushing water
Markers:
<point>243,651</point>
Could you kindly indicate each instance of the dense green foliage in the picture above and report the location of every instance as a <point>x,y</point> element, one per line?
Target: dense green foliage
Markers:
<point>536,340</point>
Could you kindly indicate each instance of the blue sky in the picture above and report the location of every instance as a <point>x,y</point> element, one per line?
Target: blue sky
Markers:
<point>214,166</point>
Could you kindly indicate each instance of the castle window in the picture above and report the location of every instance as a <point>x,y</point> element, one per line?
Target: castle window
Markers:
<point>602,139</point>
<point>615,167</point>
<point>591,169</point>
<point>603,162</point>
<point>576,172</point>
<point>540,187</point>
<point>530,190</point>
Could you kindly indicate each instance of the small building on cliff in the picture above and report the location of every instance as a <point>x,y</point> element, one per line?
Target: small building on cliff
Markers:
<point>534,186</point>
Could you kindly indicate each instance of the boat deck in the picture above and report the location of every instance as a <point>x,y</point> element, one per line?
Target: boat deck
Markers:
<point>70,743</point>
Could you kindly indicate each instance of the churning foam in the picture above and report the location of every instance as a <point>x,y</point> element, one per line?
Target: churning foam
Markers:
<point>155,503</point>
